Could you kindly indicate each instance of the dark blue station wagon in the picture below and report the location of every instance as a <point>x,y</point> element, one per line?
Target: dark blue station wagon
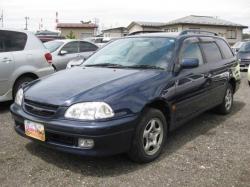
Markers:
<point>129,95</point>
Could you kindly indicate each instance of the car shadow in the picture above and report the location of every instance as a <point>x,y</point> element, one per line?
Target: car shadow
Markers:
<point>5,106</point>
<point>120,164</point>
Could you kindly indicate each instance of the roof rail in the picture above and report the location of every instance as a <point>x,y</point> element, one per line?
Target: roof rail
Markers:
<point>143,32</point>
<point>196,31</point>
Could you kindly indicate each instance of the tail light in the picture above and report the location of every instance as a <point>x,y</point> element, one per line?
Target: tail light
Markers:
<point>48,57</point>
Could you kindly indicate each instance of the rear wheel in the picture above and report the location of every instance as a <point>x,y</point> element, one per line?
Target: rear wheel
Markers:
<point>149,137</point>
<point>19,83</point>
<point>226,106</point>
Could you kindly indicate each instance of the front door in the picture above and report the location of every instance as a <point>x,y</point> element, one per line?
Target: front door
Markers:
<point>72,49</point>
<point>192,85</point>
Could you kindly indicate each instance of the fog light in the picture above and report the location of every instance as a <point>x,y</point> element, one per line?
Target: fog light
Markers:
<point>85,143</point>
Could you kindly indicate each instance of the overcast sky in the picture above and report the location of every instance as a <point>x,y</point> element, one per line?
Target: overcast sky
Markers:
<point>111,13</point>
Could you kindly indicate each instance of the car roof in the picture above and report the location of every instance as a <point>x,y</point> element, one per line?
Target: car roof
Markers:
<point>16,30</point>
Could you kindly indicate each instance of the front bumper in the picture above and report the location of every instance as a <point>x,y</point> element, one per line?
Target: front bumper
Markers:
<point>110,137</point>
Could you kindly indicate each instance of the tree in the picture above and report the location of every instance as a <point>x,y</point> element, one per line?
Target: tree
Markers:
<point>71,35</point>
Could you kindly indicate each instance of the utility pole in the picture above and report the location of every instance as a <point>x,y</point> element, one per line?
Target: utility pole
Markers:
<point>26,22</point>
<point>1,18</point>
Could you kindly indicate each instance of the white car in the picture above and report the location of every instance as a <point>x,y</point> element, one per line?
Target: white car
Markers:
<point>23,58</point>
<point>64,51</point>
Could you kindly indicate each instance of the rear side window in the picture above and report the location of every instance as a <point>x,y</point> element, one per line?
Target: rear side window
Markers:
<point>212,52</point>
<point>12,41</point>
<point>224,48</point>
<point>86,46</point>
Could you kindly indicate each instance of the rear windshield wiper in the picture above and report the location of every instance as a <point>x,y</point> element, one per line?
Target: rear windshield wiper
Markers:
<point>143,66</point>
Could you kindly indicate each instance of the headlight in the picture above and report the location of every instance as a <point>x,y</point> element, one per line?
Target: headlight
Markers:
<point>89,111</point>
<point>19,97</point>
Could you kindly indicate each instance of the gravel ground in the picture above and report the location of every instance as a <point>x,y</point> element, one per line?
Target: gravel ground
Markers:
<point>211,150</point>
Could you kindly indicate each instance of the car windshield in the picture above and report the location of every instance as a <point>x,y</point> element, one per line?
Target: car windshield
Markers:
<point>141,52</point>
<point>245,48</point>
<point>237,45</point>
<point>53,45</point>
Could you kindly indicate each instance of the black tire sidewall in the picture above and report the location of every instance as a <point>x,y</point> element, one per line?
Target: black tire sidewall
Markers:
<point>19,83</point>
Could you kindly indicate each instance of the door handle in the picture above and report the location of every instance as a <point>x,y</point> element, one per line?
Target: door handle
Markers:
<point>6,60</point>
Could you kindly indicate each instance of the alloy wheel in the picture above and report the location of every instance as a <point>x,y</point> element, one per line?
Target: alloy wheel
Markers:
<point>153,136</point>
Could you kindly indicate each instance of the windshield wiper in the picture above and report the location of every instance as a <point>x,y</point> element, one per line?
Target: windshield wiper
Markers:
<point>143,66</point>
<point>110,65</point>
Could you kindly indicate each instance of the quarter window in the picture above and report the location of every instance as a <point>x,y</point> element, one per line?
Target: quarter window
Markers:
<point>191,50</point>
<point>71,47</point>
<point>212,52</point>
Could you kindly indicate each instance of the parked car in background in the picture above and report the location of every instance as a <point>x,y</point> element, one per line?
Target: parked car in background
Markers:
<point>99,41</point>
<point>65,50</point>
<point>244,56</point>
<point>129,95</point>
<point>23,58</point>
<point>236,47</point>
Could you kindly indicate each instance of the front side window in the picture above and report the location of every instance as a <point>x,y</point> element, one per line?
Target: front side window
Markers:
<point>71,47</point>
<point>12,41</point>
<point>135,52</point>
<point>191,50</point>
<point>212,52</point>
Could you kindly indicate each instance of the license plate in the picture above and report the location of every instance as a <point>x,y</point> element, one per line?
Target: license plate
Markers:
<point>34,130</point>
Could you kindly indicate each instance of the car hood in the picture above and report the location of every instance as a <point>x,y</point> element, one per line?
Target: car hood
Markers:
<point>82,84</point>
<point>243,55</point>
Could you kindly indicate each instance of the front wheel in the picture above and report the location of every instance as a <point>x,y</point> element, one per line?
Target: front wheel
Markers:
<point>226,106</point>
<point>149,137</point>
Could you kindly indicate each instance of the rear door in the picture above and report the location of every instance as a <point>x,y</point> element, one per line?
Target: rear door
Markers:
<point>218,70</point>
<point>9,42</point>
<point>192,85</point>
<point>86,49</point>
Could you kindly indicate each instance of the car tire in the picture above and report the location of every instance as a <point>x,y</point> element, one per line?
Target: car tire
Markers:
<point>19,83</point>
<point>226,106</point>
<point>149,137</point>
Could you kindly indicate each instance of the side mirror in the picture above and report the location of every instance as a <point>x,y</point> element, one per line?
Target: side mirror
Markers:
<point>63,52</point>
<point>188,63</point>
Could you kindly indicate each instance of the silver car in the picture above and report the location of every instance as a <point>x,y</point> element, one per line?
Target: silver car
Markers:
<point>65,50</point>
<point>23,58</point>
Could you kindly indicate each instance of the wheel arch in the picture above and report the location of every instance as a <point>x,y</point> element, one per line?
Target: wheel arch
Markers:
<point>163,106</point>
<point>29,74</point>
